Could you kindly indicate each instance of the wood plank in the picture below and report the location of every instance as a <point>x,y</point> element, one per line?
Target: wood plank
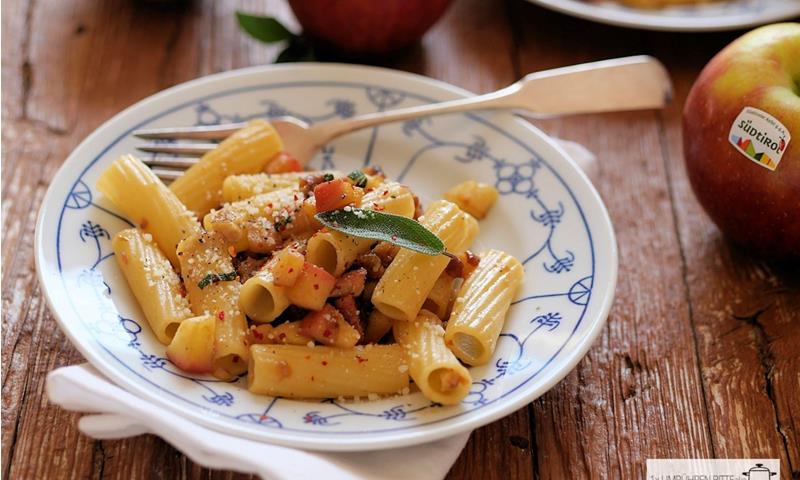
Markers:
<point>745,312</point>
<point>637,394</point>
<point>78,56</point>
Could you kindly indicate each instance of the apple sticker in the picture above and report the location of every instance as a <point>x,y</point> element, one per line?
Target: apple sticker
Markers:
<point>760,137</point>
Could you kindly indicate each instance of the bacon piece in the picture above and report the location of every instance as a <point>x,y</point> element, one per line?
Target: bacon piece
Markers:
<point>349,310</point>
<point>322,325</point>
<point>371,264</point>
<point>470,262</point>
<point>308,183</point>
<point>351,283</point>
<point>455,268</point>
<point>386,252</point>
<point>247,266</point>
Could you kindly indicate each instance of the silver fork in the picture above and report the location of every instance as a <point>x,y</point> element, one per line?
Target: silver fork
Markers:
<point>630,83</point>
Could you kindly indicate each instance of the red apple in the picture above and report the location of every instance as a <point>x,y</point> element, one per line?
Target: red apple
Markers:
<point>368,26</point>
<point>741,140</point>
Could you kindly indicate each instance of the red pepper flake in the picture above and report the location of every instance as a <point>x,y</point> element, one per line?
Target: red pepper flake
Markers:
<point>385,192</point>
<point>144,223</point>
<point>221,316</point>
<point>360,359</point>
<point>394,238</point>
<point>312,378</point>
<point>324,363</point>
<point>316,286</point>
<point>378,208</point>
<point>263,417</point>
<point>291,269</point>
<point>327,333</point>
<point>257,334</point>
<point>281,336</point>
<point>235,359</point>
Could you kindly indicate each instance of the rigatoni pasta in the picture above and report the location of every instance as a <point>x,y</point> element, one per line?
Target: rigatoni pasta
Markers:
<point>143,198</point>
<point>212,287</point>
<point>434,368</point>
<point>335,251</point>
<point>239,187</point>
<point>481,306</point>
<point>307,311</point>
<point>409,279</point>
<point>154,283</point>
<point>321,372</point>
<point>246,151</point>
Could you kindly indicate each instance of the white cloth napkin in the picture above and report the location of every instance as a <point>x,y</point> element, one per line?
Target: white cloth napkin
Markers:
<point>119,414</point>
<point>114,413</point>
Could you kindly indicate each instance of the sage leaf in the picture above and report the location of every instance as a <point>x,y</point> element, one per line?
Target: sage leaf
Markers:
<point>401,231</point>
<point>266,29</point>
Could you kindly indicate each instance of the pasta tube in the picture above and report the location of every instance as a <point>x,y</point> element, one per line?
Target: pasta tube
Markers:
<point>213,288</point>
<point>434,368</point>
<point>153,282</point>
<point>134,189</point>
<point>235,220</point>
<point>262,300</point>
<point>239,187</point>
<point>335,251</point>
<point>246,151</point>
<point>323,372</point>
<point>410,277</point>
<point>481,306</point>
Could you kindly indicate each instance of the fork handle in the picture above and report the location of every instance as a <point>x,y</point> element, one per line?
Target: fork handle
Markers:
<point>505,98</point>
<point>630,83</point>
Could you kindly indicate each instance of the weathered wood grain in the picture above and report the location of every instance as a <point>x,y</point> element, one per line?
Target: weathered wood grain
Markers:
<point>746,315</point>
<point>699,357</point>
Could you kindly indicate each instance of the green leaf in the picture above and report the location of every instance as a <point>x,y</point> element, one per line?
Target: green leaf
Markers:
<point>401,231</point>
<point>266,29</point>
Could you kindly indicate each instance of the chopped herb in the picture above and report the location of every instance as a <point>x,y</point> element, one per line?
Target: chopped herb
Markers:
<point>327,177</point>
<point>358,178</point>
<point>212,278</point>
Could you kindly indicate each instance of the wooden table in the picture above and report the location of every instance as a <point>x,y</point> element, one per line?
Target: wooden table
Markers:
<point>700,356</point>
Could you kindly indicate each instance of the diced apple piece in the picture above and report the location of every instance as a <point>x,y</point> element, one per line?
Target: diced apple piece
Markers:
<point>283,162</point>
<point>286,266</point>
<point>336,194</point>
<point>312,287</point>
<point>192,347</point>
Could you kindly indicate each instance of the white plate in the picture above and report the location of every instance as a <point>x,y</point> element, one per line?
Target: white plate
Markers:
<point>721,15</point>
<point>549,216</point>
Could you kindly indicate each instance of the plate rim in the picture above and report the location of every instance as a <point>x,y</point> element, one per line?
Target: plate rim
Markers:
<point>649,20</point>
<point>409,437</point>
